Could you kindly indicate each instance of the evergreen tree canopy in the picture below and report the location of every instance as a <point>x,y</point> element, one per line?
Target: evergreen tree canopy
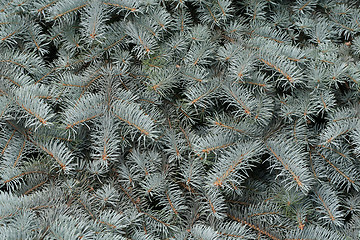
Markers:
<point>179,119</point>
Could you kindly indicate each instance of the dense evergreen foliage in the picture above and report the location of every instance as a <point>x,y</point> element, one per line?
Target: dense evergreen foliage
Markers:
<point>179,119</point>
